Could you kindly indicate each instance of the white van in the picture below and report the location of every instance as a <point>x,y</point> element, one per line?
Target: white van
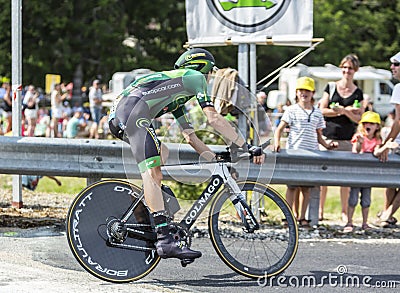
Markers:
<point>374,82</point>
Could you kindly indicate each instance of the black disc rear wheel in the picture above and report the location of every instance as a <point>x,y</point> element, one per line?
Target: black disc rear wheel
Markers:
<point>88,236</point>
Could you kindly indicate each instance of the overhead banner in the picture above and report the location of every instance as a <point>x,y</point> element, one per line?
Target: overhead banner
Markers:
<point>222,22</point>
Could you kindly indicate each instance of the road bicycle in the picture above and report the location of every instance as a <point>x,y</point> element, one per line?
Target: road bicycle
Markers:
<point>253,246</point>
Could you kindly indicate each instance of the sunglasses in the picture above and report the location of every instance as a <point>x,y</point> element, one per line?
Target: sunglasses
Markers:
<point>396,64</point>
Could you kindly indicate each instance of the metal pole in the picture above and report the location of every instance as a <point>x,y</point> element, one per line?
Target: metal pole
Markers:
<point>16,78</point>
<point>253,68</point>
<point>243,69</point>
<point>253,90</point>
<point>243,63</point>
<point>258,203</point>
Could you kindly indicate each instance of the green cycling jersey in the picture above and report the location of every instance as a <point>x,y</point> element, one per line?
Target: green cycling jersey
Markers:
<point>167,92</point>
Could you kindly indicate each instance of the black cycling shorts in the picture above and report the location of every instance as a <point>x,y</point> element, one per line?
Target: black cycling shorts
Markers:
<point>132,123</point>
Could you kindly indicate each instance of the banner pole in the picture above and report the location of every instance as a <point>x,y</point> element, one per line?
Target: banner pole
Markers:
<point>16,79</point>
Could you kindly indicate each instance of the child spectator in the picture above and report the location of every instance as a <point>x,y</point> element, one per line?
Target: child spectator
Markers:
<point>367,139</point>
<point>306,124</point>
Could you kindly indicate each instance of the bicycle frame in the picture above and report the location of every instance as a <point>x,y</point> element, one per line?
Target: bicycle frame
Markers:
<point>220,176</point>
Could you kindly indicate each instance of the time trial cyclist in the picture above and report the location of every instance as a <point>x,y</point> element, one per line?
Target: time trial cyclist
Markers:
<point>151,96</point>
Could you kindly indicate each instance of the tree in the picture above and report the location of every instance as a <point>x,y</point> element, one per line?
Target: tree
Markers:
<point>59,37</point>
<point>369,29</point>
<point>83,40</point>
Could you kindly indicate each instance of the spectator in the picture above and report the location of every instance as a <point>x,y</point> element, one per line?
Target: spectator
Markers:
<point>5,95</point>
<point>367,139</point>
<point>306,124</point>
<point>43,122</point>
<point>103,128</point>
<point>264,125</point>
<point>392,195</point>
<point>30,105</point>
<point>341,115</point>
<point>74,124</point>
<point>395,99</point>
<point>95,100</point>
<point>262,100</point>
<point>67,90</point>
<point>277,114</point>
<point>388,126</point>
<point>31,181</point>
<point>57,100</point>
<point>368,103</point>
<point>390,119</point>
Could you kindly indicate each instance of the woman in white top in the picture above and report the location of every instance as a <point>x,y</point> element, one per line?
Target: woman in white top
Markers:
<point>57,99</point>
<point>30,103</point>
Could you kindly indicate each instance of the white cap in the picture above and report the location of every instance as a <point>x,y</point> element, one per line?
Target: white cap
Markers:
<point>395,58</point>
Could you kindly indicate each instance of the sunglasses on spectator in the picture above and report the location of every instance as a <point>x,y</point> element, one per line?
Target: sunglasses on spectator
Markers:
<point>397,64</point>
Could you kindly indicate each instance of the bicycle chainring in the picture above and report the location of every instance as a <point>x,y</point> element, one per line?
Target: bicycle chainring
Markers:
<point>181,234</point>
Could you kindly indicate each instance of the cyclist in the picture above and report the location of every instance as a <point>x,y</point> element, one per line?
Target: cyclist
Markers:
<point>152,96</point>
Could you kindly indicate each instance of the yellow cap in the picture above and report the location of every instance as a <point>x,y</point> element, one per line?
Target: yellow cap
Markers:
<point>5,80</point>
<point>305,83</point>
<point>371,117</point>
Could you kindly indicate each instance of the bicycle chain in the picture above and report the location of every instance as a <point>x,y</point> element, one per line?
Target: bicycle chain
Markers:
<point>133,247</point>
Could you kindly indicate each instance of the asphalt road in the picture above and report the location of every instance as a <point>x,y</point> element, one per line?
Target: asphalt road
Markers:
<point>40,261</point>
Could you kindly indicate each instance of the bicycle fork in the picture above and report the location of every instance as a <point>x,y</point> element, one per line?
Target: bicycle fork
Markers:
<point>239,201</point>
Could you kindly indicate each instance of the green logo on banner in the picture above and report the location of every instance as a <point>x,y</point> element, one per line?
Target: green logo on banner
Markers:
<point>248,16</point>
<point>230,4</point>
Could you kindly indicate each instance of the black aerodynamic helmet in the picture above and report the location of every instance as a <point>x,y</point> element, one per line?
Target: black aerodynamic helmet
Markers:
<point>197,59</point>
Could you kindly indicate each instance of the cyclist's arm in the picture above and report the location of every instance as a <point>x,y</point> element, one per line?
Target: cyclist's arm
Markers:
<point>190,136</point>
<point>221,125</point>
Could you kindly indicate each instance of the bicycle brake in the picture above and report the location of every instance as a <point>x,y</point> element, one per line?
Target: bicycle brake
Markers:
<point>244,212</point>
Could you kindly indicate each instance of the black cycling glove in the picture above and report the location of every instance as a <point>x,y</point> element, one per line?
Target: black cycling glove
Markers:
<point>254,150</point>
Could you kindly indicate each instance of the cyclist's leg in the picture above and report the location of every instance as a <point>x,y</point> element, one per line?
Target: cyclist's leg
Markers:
<point>152,177</point>
<point>167,246</point>
<point>164,153</point>
<point>132,124</point>
<point>147,151</point>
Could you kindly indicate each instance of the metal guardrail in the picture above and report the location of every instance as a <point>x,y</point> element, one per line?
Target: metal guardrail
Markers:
<point>95,159</point>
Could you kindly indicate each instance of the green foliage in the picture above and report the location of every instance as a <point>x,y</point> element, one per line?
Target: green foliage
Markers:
<point>69,185</point>
<point>367,28</point>
<point>187,191</point>
<point>87,39</point>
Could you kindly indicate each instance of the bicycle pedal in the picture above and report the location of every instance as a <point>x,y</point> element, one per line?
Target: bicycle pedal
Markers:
<point>185,262</point>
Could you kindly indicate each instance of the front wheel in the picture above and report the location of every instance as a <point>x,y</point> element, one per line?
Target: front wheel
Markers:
<point>264,252</point>
<point>88,220</point>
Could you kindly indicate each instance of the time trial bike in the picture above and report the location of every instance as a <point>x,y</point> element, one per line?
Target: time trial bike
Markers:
<point>111,232</point>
